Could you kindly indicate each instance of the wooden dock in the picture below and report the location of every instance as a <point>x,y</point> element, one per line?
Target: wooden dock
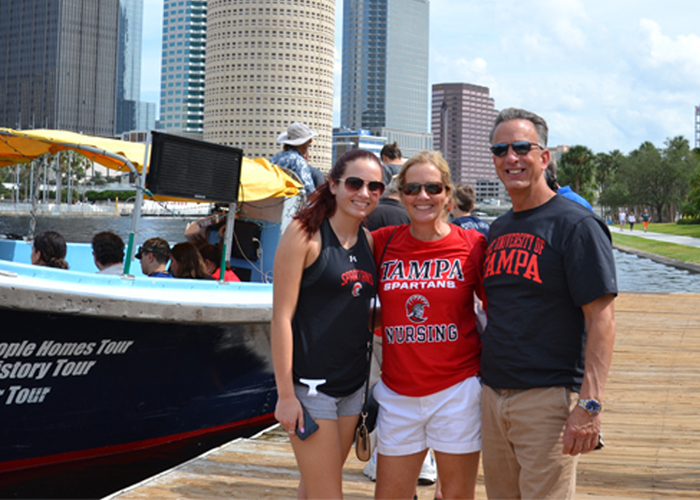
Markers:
<point>651,425</point>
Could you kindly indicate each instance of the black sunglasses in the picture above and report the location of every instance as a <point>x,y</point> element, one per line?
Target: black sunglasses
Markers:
<point>520,148</point>
<point>355,184</point>
<point>413,188</point>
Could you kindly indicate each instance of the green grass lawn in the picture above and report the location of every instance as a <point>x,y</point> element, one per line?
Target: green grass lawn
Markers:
<point>671,228</point>
<point>670,250</point>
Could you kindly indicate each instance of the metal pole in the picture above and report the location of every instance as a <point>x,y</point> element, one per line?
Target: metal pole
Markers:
<point>136,216</point>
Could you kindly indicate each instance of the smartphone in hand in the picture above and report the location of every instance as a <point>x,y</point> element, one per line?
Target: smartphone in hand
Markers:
<point>310,425</point>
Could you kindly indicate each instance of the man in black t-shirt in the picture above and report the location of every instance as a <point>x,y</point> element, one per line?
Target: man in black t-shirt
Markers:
<point>549,276</point>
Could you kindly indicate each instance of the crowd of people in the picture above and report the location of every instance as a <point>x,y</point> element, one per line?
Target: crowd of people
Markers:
<point>157,258</point>
<point>521,390</point>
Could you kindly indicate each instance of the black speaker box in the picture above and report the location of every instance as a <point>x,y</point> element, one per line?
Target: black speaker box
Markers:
<point>187,168</point>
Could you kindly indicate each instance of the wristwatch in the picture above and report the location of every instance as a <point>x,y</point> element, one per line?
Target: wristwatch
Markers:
<point>592,406</point>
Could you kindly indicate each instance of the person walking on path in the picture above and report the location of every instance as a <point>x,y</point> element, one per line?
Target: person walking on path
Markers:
<point>631,219</point>
<point>325,277</point>
<point>645,219</point>
<point>622,217</point>
<point>550,283</point>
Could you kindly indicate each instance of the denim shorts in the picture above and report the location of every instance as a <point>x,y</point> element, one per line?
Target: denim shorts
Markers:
<point>324,406</point>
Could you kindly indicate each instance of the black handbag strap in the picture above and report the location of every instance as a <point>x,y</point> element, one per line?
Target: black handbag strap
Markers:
<point>374,316</point>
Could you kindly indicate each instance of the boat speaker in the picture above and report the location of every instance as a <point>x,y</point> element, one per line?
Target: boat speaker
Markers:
<point>187,168</point>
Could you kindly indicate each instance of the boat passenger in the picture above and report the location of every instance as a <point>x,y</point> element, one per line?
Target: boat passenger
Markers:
<point>186,262</point>
<point>108,253</point>
<point>211,255</point>
<point>295,154</point>
<point>154,255</point>
<point>429,393</point>
<point>49,249</point>
<point>324,279</point>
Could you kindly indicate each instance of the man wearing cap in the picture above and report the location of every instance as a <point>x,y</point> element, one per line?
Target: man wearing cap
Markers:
<point>297,140</point>
<point>154,255</point>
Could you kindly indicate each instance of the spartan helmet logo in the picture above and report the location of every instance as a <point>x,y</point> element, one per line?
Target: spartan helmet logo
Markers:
<point>356,288</point>
<point>415,308</point>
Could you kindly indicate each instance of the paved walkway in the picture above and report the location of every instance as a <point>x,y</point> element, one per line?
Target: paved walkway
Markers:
<point>668,238</point>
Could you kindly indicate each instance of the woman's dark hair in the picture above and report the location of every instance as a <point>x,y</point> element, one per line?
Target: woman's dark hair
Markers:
<point>391,151</point>
<point>190,262</point>
<point>53,249</point>
<point>321,203</point>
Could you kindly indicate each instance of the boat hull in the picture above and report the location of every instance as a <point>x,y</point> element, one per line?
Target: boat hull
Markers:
<point>76,387</point>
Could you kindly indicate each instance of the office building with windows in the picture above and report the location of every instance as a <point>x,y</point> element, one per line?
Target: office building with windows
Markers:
<point>385,71</point>
<point>58,65</point>
<point>269,64</point>
<point>132,113</point>
<point>345,140</point>
<point>462,117</point>
<point>182,67</point>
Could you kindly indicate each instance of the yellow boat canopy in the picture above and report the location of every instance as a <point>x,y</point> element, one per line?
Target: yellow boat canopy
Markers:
<point>259,178</point>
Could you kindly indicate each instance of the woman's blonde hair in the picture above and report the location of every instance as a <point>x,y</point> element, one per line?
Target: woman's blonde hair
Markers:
<point>434,158</point>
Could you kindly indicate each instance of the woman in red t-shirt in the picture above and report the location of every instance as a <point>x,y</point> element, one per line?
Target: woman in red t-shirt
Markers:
<point>429,393</point>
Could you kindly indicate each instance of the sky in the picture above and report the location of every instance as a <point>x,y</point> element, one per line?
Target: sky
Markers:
<point>607,74</point>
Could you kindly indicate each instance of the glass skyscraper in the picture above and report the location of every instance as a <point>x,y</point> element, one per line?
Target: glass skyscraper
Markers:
<point>385,70</point>
<point>129,107</point>
<point>183,64</point>
<point>58,65</point>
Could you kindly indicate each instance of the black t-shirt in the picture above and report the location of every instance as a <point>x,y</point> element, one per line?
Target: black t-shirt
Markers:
<point>389,212</point>
<point>331,321</point>
<point>541,266</point>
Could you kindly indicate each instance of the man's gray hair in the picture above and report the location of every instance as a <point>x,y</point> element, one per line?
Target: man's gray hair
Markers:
<point>521,114</point>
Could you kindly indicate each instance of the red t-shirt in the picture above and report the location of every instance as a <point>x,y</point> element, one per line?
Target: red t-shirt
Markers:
<point>229,275</point>
<point>426,289</point>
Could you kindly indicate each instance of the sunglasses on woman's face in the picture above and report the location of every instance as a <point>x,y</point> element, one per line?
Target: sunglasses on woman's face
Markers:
<point>355,184</point>
<point>519,147</point>
<point>413,188</point>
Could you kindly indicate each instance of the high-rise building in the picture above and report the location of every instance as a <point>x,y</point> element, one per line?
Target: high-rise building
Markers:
<point>385,71</point>
<point>462,118</point>
<point>269,63</point>
<point>182,66</point>
<point>132,113</point>
<point>58,64</point>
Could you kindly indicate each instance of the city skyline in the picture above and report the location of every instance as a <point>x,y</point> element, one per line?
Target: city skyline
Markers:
<point>602,74</point>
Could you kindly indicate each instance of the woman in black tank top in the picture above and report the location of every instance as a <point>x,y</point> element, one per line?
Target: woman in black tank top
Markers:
<point>324,278</point>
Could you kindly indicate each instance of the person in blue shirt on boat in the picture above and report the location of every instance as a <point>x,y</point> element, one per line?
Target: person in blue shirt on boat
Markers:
<point>565,191</point>
<point>154,255</point>
<point>108,253</point>
<point>294,158</point>
<point>464,197</point>
<point>324,279</point>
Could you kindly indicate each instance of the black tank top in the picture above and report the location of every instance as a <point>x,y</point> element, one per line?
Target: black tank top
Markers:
<point>330,323</point>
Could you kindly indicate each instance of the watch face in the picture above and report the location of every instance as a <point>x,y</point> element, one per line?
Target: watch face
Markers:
<point>592,406</point>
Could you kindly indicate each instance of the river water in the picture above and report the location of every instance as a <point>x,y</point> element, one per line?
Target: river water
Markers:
<point>634,274</point>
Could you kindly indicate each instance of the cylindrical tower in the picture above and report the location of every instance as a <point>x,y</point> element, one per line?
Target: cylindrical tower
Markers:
<point>269,63</point>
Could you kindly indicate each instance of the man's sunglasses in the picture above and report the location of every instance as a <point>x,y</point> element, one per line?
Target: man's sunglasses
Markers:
<point>413,188</point>
<point>355,184</point>
<point>520,148</point>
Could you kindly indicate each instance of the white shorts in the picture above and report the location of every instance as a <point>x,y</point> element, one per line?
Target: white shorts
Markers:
<point>448,421</point>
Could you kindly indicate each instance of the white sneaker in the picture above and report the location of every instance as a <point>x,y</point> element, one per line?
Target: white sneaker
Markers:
<point>428,471</point>
<point>370,469</point>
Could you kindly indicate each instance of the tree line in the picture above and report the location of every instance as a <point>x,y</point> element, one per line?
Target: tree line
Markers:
<point>664,180</point>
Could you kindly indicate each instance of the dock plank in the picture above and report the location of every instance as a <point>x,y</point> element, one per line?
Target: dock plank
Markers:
<point>651,425</point>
